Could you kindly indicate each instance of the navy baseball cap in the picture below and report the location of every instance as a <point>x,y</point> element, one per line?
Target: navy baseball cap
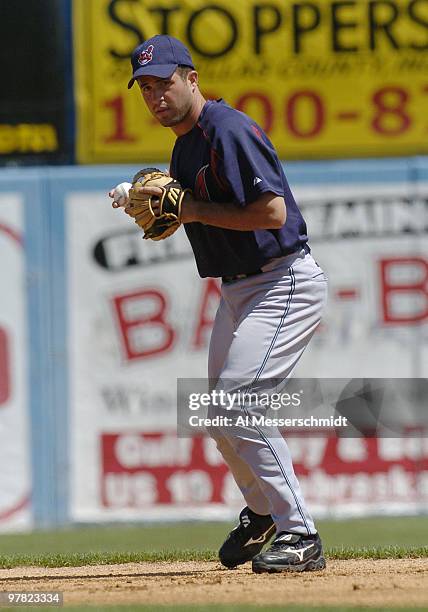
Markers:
<point>159,56</point>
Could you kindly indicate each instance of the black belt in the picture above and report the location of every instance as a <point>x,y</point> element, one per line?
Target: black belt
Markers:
<point>235,277</point>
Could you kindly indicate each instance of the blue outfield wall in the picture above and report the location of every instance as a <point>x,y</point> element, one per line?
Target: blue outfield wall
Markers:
<point>44,191</point>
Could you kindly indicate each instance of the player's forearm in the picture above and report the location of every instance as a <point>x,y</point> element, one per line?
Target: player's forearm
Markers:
<point>268,212</point>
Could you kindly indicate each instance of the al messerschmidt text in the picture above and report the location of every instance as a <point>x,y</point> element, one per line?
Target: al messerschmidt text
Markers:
<point>262,421</point>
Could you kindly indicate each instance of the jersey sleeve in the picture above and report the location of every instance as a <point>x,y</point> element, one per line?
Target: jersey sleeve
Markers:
<point>248,160</point>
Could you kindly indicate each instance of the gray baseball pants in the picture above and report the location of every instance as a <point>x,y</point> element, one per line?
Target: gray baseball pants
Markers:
<point>262,326</point>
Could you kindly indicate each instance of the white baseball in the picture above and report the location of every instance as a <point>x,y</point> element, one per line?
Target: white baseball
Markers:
<point>120,194</point>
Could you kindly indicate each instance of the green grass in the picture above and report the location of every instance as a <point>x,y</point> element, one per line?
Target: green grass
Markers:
<point>379,531</point>
<point>103,558</point>
<point>112,558</point>
<point>382,537</point>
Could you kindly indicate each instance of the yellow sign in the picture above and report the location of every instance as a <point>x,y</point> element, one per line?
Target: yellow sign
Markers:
<point>326,78</point>
<point>28,138</point>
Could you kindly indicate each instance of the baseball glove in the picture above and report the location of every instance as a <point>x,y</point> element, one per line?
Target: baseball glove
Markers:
<point>163,219</point>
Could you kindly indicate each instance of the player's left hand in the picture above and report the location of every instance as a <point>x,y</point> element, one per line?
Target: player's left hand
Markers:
<point>147,192</point>
<point>154,202</point>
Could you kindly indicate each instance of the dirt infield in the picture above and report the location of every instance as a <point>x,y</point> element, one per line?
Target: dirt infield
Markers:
<point>386,583</point>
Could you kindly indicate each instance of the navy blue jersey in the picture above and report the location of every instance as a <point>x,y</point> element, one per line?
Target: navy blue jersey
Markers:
<point>226,157</point>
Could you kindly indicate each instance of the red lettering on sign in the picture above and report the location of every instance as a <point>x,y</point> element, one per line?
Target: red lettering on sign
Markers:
<point>404,290</point>
<point>315,103</point>
<point>148,469</point>
<point>119,133</point>
<point>205,320</point>
<point>391,116</point>
<point>144,329</point>
<point>263,103</point>
<point>4,368</point>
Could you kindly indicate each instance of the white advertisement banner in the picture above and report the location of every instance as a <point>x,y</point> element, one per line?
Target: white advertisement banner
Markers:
<point>372,242</point>
<point>140,317</point>
<point>15,479</point>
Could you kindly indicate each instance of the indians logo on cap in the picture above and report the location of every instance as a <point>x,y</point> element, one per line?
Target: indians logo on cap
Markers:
<point>146,55</point>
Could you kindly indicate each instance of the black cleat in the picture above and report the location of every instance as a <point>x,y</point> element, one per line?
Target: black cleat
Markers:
<point>247,539</point>
<point>291,552</point>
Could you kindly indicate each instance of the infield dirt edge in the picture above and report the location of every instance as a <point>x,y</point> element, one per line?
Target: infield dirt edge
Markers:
<point>364,582</point>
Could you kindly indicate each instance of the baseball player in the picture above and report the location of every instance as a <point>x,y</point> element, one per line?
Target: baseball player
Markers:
<point>244,227</point>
